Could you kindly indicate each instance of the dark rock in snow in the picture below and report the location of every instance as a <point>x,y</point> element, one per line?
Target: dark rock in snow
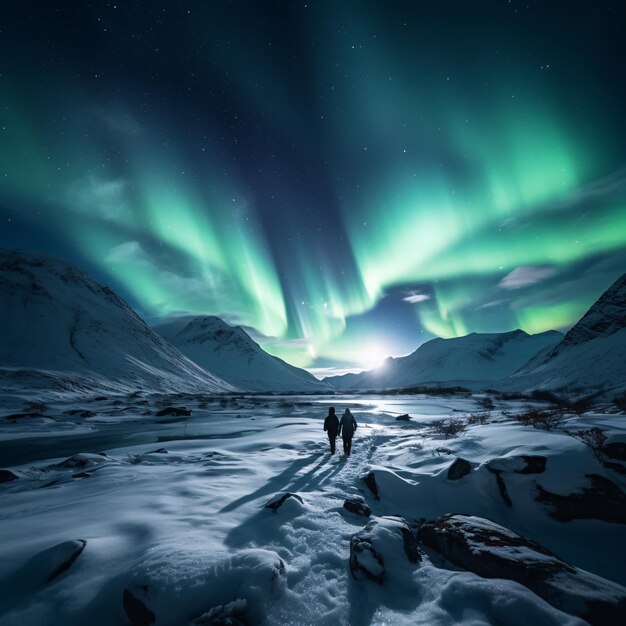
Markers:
<point>602,499</point>
<point>523,464</point>
<point>535,464</point>
<point>493,551</point>
<point>67,553</point>
<point>504,493</point>
<point>403,418</point>
<point>370,482</point>
<point>160,451</point>
<point>231,614</point>
<point>616,467</point>
<point>365,561</point>
<point>357,506</point>
<point>379,539</point>
<point>83,460</point>
<point>615,450</point>
<point>458,469</point>
<point>6,476</point>
<point>278,501</point>
<point>138,613</point>
<point>174,410</point>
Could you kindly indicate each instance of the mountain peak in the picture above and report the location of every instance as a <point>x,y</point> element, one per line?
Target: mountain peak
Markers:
<point>605,317</point>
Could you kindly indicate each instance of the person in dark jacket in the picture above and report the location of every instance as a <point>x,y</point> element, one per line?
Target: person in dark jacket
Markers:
<point>331,426</point>
<point>347,426</point>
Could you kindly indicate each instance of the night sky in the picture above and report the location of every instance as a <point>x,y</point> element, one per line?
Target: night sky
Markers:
<point>345,179</point>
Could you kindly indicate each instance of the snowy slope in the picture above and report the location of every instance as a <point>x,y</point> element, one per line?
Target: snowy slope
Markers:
<point>231,353</point>
<point>591,356</point>
<point>475,357</point>
<point>57,321</point>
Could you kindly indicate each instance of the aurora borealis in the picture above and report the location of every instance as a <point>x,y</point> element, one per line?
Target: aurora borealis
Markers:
<point>344,179</point>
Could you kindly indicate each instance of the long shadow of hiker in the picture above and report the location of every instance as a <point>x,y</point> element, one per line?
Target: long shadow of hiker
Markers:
<point>277,483</point>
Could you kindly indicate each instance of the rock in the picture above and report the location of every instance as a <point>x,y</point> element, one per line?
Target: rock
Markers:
<point>493,551</point>
<point>365,561</point>
<point>173,410</point>
<point>160,451</point>
<point>370,482</point>
<point>83,460</point>
<point>403,418</point>
<point>384,540</point>
<point>62,556</point>
<point>100,398</point>
<point>602,499</point>
<point>458,469</point>
<point>6,476</point>
<point>278,501</point>
<point>357,506</point>
<point>615,450</point>
<point>231,614</point>
<point>616,467</point>
<point>504,493</point>
<point>138,613</point>
<point>523,464</point>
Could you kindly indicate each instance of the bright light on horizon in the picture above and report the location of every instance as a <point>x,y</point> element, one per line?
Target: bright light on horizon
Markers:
<point>373,355</point>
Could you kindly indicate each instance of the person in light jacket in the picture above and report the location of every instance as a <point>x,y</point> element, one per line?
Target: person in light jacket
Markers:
<point>347,426</point>
<point>331,426</point>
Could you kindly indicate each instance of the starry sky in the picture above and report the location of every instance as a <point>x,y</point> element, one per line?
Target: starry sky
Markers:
<point>346,180</point>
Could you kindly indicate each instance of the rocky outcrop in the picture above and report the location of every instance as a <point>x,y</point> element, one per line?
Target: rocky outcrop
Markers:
<point>175,411</point>
<point>380,547</point>
<point>459,468</point>
<point>7,476</point>
<point>231,614</point>
<point>493,551</point>
<point>138,613</point>
<point>357,505</point>
<point>275,503</point>
<point>601,499</point>
<point>370,482</point>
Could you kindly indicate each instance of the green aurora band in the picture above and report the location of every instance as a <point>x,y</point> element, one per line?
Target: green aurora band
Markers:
<point>439,188</point>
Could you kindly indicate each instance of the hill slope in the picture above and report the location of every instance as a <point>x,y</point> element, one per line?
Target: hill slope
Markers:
<point>591,356</point>
<point>474,357</point>
<point>234,356</point>
<point>55,318</point>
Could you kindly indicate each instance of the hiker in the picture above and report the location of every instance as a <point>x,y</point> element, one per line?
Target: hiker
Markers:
<point>347,426</point>
<point>331,426</point>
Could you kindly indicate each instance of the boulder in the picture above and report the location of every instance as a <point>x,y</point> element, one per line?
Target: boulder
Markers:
<point>357,505</point>
<point>403,418</point>
<point>383,549</point>
<point>138,613</point>
<point>6,476</point>
<point>54,561</point>
<point>275,503</point>
<point>493,551</point>
<point>601,499</point>
<point>370,482</point>
<point>523,464</point>
<point>504,492</point>
<point>84,460</point>
<point>174,410</point>
<point>459,468</point>
<point>615,450</point>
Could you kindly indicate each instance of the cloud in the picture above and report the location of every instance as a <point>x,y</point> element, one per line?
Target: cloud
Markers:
<point>128,252</point>
<point>526,275</point>
<point>96,197</point>
<point>414,297</point>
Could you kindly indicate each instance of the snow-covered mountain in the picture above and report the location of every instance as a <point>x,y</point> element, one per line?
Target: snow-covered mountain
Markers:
<point>57,325</point>
<point>234,356</point>
<point>591,356</point>
<point>474,357</point>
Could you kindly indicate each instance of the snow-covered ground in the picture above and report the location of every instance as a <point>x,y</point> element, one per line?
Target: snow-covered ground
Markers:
<point>174,511</point>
